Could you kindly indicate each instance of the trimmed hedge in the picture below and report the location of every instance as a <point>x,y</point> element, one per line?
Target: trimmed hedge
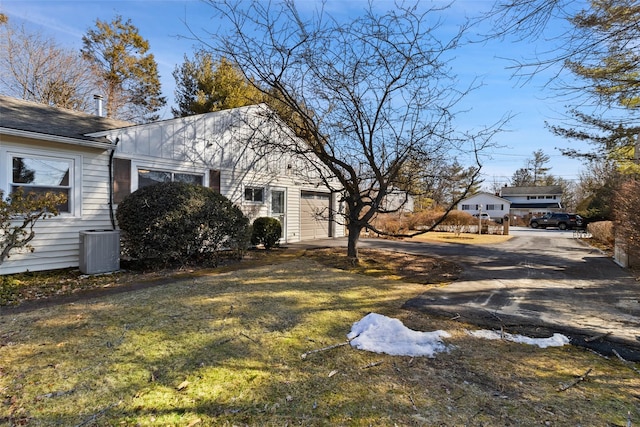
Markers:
<point>175,222</point>
<point>266,231</point>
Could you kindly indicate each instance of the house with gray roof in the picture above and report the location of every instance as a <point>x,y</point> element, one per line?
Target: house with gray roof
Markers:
<point>98,161</point>
<point>483,202</point>
<point>533,201</point>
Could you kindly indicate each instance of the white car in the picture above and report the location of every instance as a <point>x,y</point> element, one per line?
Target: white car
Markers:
<point>483,216</point>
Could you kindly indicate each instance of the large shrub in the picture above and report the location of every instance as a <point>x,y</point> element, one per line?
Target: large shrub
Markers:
<point>266,231</point>
<point>178,222</point>
<point>602,231</point>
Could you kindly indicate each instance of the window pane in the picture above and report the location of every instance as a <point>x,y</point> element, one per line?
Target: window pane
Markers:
<point>277,202</point>
<point>43,172</point>
<point>188,178</point>
<point>149,177</point>
<point>64,207</point>
<point>258,195</point>
<point>254,194</point>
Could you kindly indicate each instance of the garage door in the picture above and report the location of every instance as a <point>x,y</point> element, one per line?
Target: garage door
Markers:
<point>314,215</point>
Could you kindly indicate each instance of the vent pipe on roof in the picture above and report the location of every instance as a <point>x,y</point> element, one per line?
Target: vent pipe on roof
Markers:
<point>98,99</point>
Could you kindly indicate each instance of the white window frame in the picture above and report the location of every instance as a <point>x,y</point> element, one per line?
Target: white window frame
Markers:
<point>75,174</point>
<point>169,167</point>
<point>172,174</point>
<point>263,191</point>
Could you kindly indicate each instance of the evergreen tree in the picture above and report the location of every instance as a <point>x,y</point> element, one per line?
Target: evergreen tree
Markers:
<point>124,70</point>
<point>204,85</point>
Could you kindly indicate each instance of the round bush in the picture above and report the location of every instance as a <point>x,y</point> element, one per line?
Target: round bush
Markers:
<point>178,222</point>
<point>266,231</point>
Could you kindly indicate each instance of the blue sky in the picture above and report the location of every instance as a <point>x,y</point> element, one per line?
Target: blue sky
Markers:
<point>164,24</point>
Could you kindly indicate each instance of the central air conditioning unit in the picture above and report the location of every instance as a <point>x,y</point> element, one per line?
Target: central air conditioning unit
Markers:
<point>99,251</point>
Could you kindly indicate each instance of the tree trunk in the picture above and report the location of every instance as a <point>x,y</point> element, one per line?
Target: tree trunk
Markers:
<point>352,243</point>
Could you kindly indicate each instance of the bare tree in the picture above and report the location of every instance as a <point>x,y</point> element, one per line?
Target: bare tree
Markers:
<point>36,68</point>
<point>368,94</point>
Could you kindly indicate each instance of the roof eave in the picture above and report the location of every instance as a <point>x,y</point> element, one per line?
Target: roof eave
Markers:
<point>56,138</point>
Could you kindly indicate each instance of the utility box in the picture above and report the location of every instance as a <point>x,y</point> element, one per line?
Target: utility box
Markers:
<point>99,251</point>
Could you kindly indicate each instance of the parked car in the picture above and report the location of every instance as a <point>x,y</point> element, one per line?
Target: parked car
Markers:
<point>483,216</point>
<point>561,220</point>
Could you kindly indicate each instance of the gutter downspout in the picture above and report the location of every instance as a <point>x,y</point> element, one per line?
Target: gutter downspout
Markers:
<point>111,215</point>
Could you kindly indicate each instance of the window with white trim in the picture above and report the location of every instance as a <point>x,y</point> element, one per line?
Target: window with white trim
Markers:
<point>466,207</point>
<point>43,174</point>
<point>254,194</point>
<point>148,177</point>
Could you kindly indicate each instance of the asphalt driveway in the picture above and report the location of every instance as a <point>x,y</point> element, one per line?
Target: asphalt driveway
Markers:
<point>537,283</point>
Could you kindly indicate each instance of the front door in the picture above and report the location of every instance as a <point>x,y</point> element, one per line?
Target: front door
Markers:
<point>278,208</point>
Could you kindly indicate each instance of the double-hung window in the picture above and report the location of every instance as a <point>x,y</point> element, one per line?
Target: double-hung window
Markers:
<point>43,174</point>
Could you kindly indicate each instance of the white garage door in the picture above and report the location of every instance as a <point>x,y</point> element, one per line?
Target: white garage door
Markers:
<point>314,215</point>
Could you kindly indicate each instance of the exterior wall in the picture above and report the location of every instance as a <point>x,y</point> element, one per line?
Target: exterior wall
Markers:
<point>533,201</point>
<point>57,240</point>
<point>473,203</point>
<point>224,142</point>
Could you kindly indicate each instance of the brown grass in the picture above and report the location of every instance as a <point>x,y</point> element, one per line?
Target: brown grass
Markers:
<point>224,347</point>
<point>464,238</point>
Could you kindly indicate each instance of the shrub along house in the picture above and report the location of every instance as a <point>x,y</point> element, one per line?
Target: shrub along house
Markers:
<point>81,155</point>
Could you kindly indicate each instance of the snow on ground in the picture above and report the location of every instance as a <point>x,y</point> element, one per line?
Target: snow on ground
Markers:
<point>382,334</point>
<point>556,340</point>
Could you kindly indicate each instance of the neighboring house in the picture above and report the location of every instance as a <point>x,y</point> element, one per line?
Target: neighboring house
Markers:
<point>496,207</point>
<point>398,201</point>
<point>533,201</point>
<point>72,152</point>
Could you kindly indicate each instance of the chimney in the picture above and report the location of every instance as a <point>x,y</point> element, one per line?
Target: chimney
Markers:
<point>98,99</point>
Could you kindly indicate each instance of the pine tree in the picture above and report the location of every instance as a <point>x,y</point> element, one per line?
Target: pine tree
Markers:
<point>204,85</point>
<point>125,70</point>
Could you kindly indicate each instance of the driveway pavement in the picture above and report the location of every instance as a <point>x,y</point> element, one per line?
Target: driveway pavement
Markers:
<point>537,283</point>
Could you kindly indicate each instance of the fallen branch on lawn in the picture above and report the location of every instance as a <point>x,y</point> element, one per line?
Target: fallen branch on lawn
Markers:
<point>576,381</point>
<point>597,337</point>
<point>310,352</point>
<point>626,362</point>
<point>330,347</point>
<point>373,364</point>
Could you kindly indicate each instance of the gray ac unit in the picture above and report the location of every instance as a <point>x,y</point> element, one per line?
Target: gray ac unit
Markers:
<point>99,251</point>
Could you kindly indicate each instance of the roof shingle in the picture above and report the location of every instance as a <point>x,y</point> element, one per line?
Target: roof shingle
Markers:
<point>29,116</point>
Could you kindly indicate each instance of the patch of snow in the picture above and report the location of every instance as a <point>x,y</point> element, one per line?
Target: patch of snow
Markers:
<point>557,340</point>
<point>382,334</point>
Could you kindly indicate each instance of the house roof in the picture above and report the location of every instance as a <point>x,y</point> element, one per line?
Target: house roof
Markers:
<point>531,191</point>
<point>40,121</point>
<point>485,194</point>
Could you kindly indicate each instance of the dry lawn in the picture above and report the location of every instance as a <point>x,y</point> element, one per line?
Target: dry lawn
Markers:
<point>224,348</point>
<point>464,238</point>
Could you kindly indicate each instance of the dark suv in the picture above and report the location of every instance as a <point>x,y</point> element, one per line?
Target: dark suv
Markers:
<point>561,220</point>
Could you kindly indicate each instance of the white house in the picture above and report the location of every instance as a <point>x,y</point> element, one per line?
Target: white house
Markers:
<point>81,154</point>
<point>483,202</point>
<point>532,201</point>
